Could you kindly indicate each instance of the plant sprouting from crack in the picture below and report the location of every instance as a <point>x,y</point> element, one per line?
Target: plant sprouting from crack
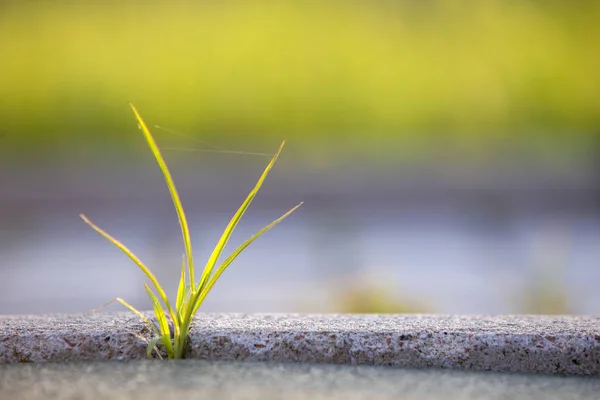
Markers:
<point>191,293</point>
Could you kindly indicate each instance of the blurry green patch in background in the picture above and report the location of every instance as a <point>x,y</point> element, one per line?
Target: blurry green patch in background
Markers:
<point>336,77</point>
<point>372,293</point>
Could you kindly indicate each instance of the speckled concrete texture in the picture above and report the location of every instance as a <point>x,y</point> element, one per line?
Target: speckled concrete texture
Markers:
<point>568,345</point>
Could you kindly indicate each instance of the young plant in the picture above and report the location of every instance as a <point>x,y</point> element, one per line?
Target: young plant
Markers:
<point>190,294</point>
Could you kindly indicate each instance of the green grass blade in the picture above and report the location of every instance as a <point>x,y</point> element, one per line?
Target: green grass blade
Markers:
<point>233,223</point>
<point>136,260</point>
<point>151,345</point>
<point>139,314</point>
<point>185,232</point>
<point>181,289</point>
<point>201,295</point>
<point>161,317</point>
<point>166,341</point>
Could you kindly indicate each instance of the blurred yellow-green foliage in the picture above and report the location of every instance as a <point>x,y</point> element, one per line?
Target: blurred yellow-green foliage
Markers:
<point>343,74</point>
<point>363,298</point>
<point>369,291</point>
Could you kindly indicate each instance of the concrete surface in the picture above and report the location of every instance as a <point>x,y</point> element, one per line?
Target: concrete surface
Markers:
<point>567,345</point>
<point>229,380</point>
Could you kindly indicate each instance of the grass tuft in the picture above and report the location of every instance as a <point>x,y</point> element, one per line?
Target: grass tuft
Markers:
<point>190,294</point>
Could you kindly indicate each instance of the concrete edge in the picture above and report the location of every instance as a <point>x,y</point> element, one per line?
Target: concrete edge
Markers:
<point>568,345</point>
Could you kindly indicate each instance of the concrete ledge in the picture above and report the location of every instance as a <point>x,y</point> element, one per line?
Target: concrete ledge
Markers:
<point>557,345</point>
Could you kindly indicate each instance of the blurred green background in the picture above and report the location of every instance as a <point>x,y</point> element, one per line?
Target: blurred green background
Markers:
<point>339,78</point>
<point>434,142</point>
